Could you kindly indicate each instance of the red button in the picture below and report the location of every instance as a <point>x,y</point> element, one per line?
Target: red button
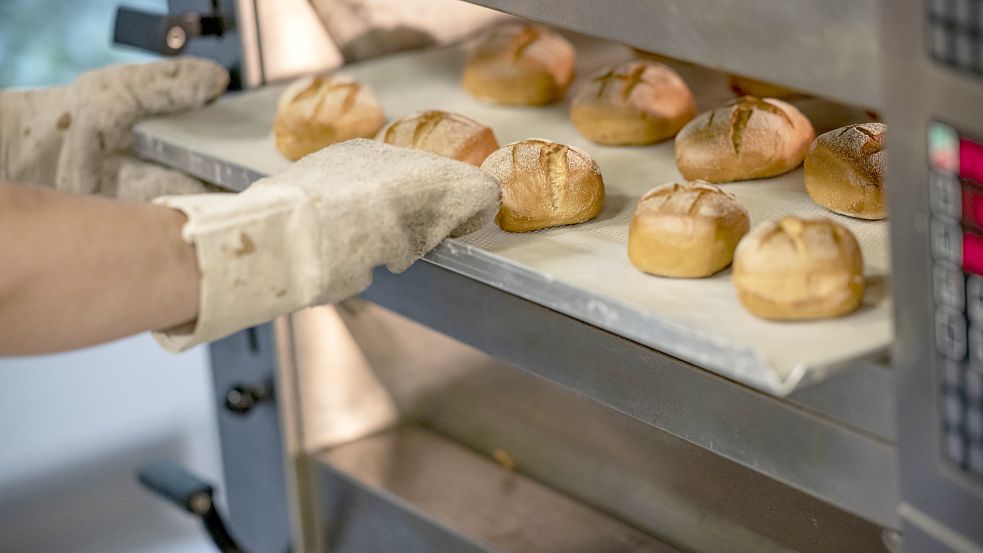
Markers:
<point>970,160</point>
<point>973,253</point>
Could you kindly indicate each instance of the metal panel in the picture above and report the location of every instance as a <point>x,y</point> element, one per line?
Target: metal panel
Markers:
<point>409,490</point>
<point>252,451</point>
<point>919,91</point>
<point>829,47</point>
<point>663,485</point>
<point>851,469</point>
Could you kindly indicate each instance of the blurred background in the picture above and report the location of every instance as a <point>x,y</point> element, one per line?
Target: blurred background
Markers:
<point>75,427</point>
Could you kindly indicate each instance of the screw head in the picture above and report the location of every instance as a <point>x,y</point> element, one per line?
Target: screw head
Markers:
<point>176,37</point>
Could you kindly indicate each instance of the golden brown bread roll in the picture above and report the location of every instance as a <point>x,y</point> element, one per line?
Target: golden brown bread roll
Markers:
<point>442,133</point>
<point>686,230</point>
<point>520,64</point>
<point>630,103</point>
<point>799,268</point>
<point>314,112</point>
<point>844,170</point>
<point>749,138</point>
<point>545,184</point>
<point>746,86</point>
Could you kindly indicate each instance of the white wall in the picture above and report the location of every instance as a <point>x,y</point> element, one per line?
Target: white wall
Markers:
<point>75,427</point>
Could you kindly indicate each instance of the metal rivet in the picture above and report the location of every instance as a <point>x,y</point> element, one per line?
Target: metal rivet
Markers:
<point>176,37</point>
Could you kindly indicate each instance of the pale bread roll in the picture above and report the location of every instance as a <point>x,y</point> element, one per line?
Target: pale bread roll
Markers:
<point>844,170</point>
<point>747,139</point>
<point>442,133</point>
<point>314,112</point>
<point>686,230</point>
<point>632,103</point>
<point>545,184</point>
<point>520,64</point>
<point>799,268</point>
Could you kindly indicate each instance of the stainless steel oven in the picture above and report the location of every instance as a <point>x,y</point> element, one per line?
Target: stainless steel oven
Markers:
<point>471,404</point>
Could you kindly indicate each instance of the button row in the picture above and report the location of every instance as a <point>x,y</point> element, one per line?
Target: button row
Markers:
<point>962,412</point>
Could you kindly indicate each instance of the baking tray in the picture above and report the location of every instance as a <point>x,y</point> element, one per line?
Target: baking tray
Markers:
<point>583,270</point>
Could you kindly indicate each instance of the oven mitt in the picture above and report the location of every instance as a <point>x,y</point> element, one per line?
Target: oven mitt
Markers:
<point>312,234</point>
<point>77,138</point>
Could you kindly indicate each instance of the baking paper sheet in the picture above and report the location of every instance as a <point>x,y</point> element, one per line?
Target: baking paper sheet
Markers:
<point>583,270</point>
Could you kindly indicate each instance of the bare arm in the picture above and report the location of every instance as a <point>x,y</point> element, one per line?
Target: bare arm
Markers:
<point>78,270</point>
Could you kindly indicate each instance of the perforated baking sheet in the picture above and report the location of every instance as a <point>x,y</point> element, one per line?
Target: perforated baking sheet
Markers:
<point>581,270</point>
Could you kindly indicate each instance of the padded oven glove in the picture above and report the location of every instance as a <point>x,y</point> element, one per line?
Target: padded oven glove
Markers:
<point>312,234</point>
<point>77,138</point>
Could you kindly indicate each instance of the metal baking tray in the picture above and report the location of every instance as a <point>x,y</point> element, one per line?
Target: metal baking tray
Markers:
<point>581,270</point>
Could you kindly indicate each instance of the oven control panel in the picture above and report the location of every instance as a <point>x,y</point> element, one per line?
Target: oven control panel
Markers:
<point>956,227</point>
<point>954,33</point>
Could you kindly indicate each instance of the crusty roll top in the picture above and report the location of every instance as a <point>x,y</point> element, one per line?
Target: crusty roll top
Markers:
<point>442,133</point>
<point>631,103</point>
<point>644,85</point>
<point>545,184</point>
<point>844,170</point>
<point>530,46</point>
<point>862,143</point>
<point>314,112</point>
<point>685,230</point>
<point>697,198</point>
<point>748,138</point>
<point>797,268</point>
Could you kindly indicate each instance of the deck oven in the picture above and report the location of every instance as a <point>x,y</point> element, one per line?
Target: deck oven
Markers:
<point>534,392</point>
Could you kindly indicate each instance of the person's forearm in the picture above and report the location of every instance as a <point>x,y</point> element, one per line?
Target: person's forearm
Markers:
<point>77,271</point>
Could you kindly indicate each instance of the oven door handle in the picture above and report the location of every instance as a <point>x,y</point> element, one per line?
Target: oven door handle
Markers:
<point>186,491</point>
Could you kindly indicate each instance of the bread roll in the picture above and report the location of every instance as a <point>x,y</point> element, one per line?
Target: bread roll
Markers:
<point>844,170</point>
<point>545,184</point>
<point>798,268</point>
<point>520,64</point>
<point>631,103</point>
<point>314,112</point>
<point>686,230</point>
<point>746,86</point>
<point>442,133</point>
<point>749,138</point>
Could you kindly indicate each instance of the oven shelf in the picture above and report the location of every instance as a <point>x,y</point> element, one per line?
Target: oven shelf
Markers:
<point>582,270</point>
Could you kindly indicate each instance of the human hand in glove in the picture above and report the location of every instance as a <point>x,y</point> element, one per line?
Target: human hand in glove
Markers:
<point>77,138</point>
<point>82,270</point>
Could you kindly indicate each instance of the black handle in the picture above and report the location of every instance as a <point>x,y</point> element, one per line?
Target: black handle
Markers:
<point>174,483</point>
<point>162,33</point>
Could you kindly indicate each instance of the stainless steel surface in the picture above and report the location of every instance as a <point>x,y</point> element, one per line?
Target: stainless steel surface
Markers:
<point>457,493</point>
<point>664,485</point>
<point>829,47</point>
<point>582,270</point>
<point>814,451</point>
<point>252,448</point>
<point>936,499</point>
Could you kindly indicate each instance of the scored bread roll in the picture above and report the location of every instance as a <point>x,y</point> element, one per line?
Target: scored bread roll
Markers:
<point>797,268</point>
<point>442,133</point>
<point>631,103</point>
<point>545,184</point>
<point>686,230</point>
<point>314,112</point>
<point>844,170</point>
<point>749,138</point>
<point>520,64</point>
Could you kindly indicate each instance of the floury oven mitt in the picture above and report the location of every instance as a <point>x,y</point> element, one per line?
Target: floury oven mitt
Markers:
<point>312,234</point>
<point>78,137</point>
